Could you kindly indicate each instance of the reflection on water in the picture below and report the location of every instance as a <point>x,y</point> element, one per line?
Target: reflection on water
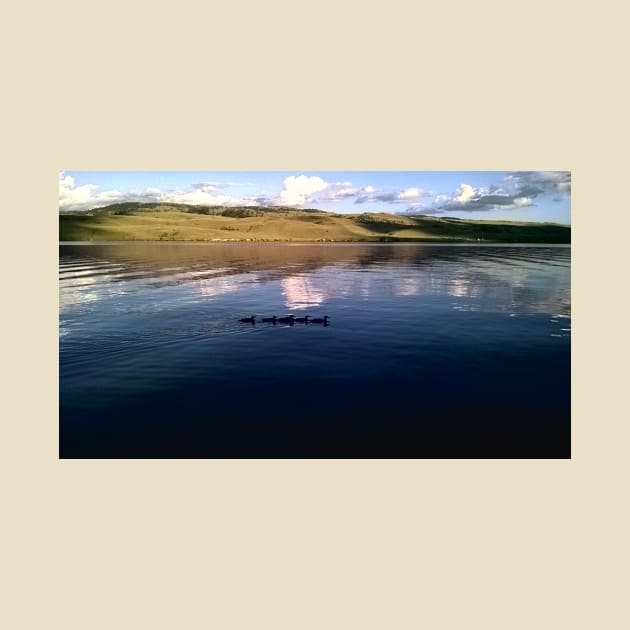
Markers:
<point>299,292</point>
<point>515,279</point>
<point>431,350</point>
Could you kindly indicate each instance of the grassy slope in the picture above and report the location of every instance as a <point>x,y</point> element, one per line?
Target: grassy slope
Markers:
<point>169,223</point>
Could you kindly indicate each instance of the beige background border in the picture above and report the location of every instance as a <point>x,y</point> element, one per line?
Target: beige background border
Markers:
<point>313,544</point>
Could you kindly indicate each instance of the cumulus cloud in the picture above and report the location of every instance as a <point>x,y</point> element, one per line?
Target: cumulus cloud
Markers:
<point>518,189</point>
<point>87,196</point>
<point>484,203</point>
<point>69,193</point>
<point>371,194</point>
<point>465,193</point>
<point>205,197</point>
<point>73,197</point>
<point>207,187</point>
<point>337,191</point>
<point>409,193</point>
<point>534,183</point>
<point>300,190</point>
<point>297,190</point>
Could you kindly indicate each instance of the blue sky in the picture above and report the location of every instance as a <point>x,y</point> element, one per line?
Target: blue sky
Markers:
<point>515,195</point>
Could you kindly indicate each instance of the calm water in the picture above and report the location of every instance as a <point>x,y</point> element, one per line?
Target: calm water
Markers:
<point>431,351</point>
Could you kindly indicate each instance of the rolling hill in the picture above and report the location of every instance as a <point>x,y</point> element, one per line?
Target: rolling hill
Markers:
<point>178,222</point>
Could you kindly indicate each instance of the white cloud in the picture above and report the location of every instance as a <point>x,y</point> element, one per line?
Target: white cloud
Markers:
<point>69,193</point>
<point>297,190</point>
<point>373,195</point>
<point>338,190</point>
<point>464,193</point>
<point>73,197</point>
<point>205,187</point>
<point>534,183</point>
<point>85,197</point>
<point>201,197</point>
<point>410,193</point>
<point>517,190</point>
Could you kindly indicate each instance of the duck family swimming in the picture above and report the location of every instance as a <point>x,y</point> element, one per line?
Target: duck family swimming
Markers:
<point>289,319</point>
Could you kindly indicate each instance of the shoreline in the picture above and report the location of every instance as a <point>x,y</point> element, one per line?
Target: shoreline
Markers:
<point>320,243</point>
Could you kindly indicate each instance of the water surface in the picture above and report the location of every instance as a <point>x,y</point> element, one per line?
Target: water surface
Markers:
<point>431,351</point>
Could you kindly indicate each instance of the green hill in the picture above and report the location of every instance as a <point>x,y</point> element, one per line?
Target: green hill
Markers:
<point>178,222</point>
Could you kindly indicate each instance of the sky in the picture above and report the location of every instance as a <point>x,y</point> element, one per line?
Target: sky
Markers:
<point>510,195</point>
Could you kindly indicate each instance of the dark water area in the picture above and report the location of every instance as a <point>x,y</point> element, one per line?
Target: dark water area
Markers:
<point>431,351</point>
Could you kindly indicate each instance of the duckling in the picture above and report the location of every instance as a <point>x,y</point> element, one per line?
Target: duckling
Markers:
<point>271,320</point>
<point>287,320</point>
<point>249,320</point>
<point>320,320</point>
<point>302,320</point>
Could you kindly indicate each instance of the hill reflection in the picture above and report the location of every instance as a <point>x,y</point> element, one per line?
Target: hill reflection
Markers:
<point>517,279</point>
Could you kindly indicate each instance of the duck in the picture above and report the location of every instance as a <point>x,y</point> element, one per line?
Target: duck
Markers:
<point>302,320</point>
<point>320,320</point>
<point>249,320</point>
<point>287,320</point>
<point>270,319</point>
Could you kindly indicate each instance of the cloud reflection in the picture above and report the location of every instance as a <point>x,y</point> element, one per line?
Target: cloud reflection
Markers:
<point>299,292</point>
<point>514,280</point>
<point>212,287</point>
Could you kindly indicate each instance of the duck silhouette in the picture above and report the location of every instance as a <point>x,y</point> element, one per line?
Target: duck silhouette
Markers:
<point>270,319</point>
<point>287,320</point>
<point>320,320</point>
<point>249,320</point>
<point>302,320</point>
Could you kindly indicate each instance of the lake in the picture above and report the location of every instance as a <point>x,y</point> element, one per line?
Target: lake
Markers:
<point>431,351</point>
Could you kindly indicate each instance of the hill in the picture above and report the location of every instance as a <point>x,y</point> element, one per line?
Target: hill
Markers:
<point>178,222</point>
